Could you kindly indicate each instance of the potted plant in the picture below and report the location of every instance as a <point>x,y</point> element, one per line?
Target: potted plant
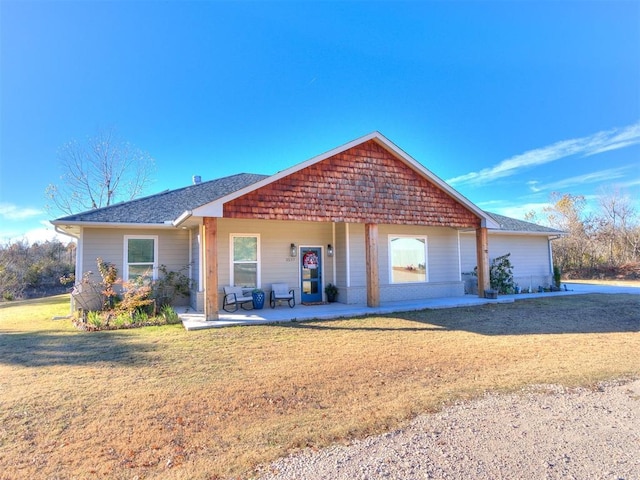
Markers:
<point>258,298</point>
<point>332,292</point>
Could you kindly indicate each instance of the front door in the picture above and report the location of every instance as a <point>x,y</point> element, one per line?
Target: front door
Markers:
<point>311,274</point>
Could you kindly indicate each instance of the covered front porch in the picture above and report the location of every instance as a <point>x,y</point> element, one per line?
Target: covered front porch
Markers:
<point>196,321</point>
<point>393,224</point>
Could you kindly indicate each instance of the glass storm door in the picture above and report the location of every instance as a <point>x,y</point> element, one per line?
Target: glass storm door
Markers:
<point>311,274</point>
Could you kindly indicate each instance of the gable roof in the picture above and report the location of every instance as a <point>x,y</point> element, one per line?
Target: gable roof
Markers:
<point>171,207</point>
<point>164,207</point>
<point>215,208</point>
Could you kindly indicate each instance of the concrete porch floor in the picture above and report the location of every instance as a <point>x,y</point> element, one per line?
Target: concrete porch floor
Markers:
<point>195,321</point>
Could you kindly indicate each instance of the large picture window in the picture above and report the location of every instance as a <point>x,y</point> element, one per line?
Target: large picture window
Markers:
<point>408,259</point>
<point>140,257</point>
<point>245,260</point>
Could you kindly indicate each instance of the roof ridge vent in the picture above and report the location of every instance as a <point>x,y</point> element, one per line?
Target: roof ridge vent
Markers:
<point>197,179</point>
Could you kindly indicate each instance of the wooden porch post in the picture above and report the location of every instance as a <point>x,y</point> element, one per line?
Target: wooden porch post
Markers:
<point>371,258</point>
<point>482,252</point>
<point>211,268</point>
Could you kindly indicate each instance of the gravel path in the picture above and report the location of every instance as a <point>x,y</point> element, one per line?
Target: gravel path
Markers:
<point>545,432</point>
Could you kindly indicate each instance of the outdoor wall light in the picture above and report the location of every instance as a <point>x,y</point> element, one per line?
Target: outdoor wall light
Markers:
<point>293,251</point>
<point>330,250</point>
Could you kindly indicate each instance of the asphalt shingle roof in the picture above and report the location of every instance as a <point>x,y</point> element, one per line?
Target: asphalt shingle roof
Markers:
<point>514,225</point>
<point>167,205</point>
<point>170,204</point>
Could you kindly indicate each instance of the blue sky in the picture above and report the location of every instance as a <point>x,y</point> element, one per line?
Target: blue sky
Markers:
<point>507,101</point>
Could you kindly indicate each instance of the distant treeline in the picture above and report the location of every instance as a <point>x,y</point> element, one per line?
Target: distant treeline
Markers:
<point>34,270</point>
<point>600,243</point>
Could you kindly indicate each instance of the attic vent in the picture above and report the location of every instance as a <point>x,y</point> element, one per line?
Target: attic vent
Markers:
<point>197,179</point>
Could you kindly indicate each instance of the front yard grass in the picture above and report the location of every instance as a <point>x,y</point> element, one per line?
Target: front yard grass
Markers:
<point>161,402</point>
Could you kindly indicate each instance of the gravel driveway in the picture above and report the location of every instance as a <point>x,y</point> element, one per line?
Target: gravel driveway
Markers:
<point>544,432</point>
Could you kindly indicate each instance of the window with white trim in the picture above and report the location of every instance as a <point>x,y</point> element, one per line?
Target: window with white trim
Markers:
<point>408,259</point>
<point>140,257</point>
<point>245,260</point>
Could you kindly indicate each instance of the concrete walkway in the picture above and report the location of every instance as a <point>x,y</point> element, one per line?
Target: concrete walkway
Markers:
<point>195,321</point>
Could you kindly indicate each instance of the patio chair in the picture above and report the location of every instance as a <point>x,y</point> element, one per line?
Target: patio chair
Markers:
<point>234,296</point>
<point>281,291</point>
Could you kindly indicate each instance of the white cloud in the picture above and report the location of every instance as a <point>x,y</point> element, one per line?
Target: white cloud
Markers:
<point>515,211</point>
<point>630,183</point>
<point>9,211</point>
<point>593,144</point>
<point>39,231</point>
<point>594,177</point>
<point>533,186</point>
<point>520,211</point>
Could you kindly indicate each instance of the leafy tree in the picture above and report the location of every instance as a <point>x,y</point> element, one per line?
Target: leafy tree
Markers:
<point>568,213</point>
<point>99,172</point>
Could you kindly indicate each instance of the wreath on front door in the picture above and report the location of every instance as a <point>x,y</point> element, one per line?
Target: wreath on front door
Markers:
<point>310,260</point>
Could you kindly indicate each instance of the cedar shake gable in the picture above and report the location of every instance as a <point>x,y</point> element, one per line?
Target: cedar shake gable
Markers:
<point>365,183</point>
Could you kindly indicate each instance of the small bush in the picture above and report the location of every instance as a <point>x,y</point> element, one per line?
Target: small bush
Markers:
<point>169,314</point>
<point>501,274</point>
<point>136,296</point>
<point>121,320</point>
<point>170,285</point>
<point>557,276</point>
<point>140,317</point>
<point>95,318</point>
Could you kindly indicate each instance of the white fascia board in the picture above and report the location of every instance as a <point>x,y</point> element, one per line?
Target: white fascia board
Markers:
<point>182,218</point>
<point>516,232</point>
<point>69,225</point>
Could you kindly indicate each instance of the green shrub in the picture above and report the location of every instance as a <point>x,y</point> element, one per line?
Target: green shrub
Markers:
<point>140,317</point>
<point>121,320</point>
<point>557,276</point>
<point>169,314</point>
<point>501,274</point>
<point>95,318</point>
<point>170,285</point>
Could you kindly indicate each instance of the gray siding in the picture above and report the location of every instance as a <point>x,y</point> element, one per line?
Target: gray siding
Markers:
<point>276,265</point>
<point>529,256</point>
<point>358,267</point>
<point>173,248</point>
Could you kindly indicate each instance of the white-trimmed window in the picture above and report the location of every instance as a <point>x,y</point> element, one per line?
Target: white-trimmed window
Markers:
<point>408,259</point>
<point>245,260</point>
<point>140,257</point>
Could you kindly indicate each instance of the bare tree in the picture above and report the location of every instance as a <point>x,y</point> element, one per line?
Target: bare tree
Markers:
<point>618,226</point>
<point>594,243</point>
<point>99,172</point>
